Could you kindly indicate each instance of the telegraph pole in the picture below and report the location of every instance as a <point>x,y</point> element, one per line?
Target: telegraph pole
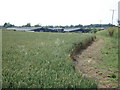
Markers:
<point>112,15</point>
<point>119,13</point>
<point>100,23</point>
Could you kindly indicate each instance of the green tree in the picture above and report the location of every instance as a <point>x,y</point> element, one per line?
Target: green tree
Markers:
<point>27,25</point>
<point>8,25</point>
<point>37,25</point>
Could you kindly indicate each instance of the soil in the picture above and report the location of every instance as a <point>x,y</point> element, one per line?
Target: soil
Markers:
<point>87,60</point>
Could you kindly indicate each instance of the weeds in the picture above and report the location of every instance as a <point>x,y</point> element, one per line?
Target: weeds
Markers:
<point>112,75</point>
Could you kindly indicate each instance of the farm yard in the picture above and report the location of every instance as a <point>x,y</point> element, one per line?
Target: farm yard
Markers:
<point>43,60</point>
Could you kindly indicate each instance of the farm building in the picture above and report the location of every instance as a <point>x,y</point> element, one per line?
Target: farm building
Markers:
<point>57,29</point>
<point>48,30</point>
<point>42,29</point>
<point>80,30</point>
<point>37,29</point>
<point>24,28</point>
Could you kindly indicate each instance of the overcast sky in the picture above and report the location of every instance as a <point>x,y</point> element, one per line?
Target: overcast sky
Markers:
<point>58,12</point>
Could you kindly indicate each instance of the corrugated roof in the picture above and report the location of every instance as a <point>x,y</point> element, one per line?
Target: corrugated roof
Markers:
<point>25,28</point>
<point>71,29</point>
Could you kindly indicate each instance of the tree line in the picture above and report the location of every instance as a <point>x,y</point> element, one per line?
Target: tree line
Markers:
<point>7,25</point>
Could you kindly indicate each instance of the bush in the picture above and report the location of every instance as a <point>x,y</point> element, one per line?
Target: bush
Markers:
<point>111,31</point>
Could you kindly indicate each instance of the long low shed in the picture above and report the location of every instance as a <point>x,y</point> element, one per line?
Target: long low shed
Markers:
<point>42,29</point>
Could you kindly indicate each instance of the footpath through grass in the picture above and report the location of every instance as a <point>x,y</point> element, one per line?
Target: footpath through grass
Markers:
<point>41,60</point>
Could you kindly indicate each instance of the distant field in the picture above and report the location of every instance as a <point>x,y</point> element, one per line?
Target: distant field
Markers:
<point>35,60</point>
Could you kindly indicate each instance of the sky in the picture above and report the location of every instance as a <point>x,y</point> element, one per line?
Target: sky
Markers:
<point>58,12</point>
<point>119,11</point>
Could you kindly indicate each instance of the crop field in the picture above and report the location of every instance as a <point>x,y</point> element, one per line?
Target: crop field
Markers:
<point>41,60</point>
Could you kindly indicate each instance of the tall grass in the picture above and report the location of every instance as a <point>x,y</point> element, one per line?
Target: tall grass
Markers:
<point>41,60</point>
<point>111,46</point>
<point>110,52</point>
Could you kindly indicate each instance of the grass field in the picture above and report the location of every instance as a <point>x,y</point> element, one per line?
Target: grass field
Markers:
<point>41,60</point>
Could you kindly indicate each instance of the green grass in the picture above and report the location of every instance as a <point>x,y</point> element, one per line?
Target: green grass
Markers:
<point>110,52</point>
<point>105,33</point>
<point>35,60</point>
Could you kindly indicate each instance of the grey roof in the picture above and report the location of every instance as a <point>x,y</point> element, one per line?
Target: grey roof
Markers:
<point>55,28</point>
<point>71,29</point>
<point>25,28</point>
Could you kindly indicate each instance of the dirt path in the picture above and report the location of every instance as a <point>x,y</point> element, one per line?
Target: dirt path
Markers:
<point>87,61</point>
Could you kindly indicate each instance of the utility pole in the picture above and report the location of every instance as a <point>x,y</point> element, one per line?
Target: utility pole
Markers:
<point>100,23</point>
<point>119,13</point>
<point>112,15</point>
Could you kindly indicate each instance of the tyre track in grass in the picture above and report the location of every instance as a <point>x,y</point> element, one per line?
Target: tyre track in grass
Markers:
<point>86,61</point>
